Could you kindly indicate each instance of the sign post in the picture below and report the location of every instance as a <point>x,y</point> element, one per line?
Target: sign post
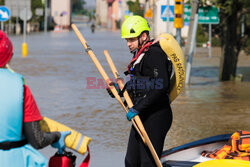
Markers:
<point>45,16</point>
<point>25,15</point>
<point>17,19</point>
<point>206,15</point>
<point>209,40</point>
<point>4,15</point>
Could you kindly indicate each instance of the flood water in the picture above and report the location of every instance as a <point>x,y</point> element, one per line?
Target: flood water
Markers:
<point>57,69</point>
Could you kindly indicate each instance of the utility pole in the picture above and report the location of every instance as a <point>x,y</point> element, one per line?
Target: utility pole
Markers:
<point>189,49</point>
<point>17,17</point>
<point>45,15</point>
<point>154,19</point>
<point>243,26</point>
<point>168,16</point>
<point>9,25</point>
<point>146,6</point>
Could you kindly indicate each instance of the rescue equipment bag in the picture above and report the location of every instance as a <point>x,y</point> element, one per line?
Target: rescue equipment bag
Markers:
<point>66,159</point>
<point>174,52</point>
<point>75,141</point>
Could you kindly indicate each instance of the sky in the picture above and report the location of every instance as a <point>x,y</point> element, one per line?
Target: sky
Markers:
<point>90,2</point>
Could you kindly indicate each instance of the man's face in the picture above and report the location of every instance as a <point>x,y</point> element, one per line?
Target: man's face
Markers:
<point>132,43</point>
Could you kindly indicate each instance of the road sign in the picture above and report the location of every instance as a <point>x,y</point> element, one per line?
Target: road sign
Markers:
<point>27,13</point>
<point>164,13</point>
<point>39,11</point>
<point>149,14</point>
<point>207,15</point>
<point>4,13</point>
<point>17,5</point>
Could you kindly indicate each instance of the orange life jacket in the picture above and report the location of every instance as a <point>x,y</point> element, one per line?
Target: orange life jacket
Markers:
<point>238,147</point>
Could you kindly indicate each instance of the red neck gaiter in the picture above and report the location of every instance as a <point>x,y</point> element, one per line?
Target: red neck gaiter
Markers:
<point>143,49</point>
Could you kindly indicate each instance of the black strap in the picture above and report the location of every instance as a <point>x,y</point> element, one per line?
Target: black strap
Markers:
<point>7,145</point>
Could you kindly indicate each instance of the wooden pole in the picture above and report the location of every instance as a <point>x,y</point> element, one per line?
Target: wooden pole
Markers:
<point>130,104</point>
<point>104,74</point>
<point>112,88</point>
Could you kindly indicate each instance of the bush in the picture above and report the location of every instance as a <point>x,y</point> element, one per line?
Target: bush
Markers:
<point>135,8</point>
<point>216,41</point>
<point>202,36</point>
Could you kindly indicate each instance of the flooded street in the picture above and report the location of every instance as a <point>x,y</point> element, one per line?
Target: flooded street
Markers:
<point>57,69</point>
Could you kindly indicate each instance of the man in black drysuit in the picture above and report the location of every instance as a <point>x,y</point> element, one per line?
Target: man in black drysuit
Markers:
<point>148,88</point>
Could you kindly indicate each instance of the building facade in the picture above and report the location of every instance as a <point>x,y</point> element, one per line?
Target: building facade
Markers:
<point>61,12</point>
<point>111,12</point>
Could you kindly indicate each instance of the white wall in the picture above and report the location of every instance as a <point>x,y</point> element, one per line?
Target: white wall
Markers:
<point>101,12</point>
<point>57,7</point>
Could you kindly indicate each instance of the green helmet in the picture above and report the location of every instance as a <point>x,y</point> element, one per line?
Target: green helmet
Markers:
<point>133,26</point>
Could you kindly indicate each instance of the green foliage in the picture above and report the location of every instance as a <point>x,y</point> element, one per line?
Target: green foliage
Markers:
<point>239,8</point>
<point>78,7</point>
<point>91,14</point>
<point>232,40</point>
<point>135,8</point>
<point>201,36</point>
<point>247,34</point>
<point>2,2</point>
<point>216,41</point>
<point>34,5</point>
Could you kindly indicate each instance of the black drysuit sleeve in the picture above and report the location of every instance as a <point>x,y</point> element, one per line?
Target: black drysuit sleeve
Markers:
<point>36,137</point>
<point>155,66</point>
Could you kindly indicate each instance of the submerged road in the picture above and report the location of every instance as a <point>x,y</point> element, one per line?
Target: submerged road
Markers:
<point>58,72</point>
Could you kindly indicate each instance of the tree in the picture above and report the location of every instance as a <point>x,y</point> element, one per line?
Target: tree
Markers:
<point>135,8</point>
<point>34,5</point>
<point>232,41</point>
<point>2,2</point>
<point>78,7</point>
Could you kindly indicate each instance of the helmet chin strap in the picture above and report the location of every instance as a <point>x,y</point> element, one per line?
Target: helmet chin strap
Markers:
<point>134,52</point>
<point>143,42</point>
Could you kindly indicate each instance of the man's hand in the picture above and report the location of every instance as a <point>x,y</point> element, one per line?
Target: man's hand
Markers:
<point>132,113</point>
<point>116,87</point>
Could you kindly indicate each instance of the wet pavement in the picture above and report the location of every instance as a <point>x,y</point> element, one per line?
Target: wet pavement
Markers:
<point>57,69</point>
